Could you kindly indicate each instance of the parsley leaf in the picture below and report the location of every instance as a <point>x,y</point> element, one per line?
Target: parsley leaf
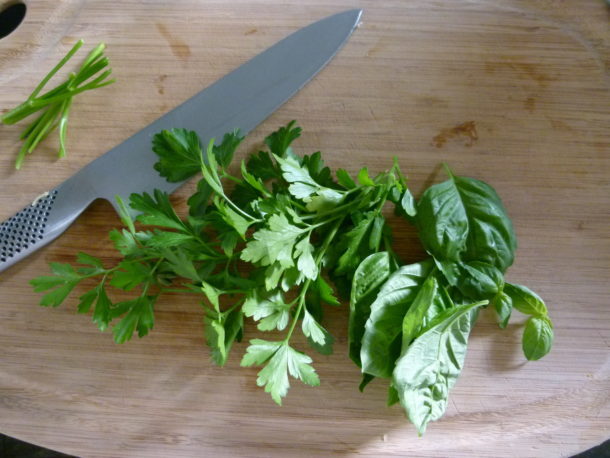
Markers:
<point>280,360</point>
<point>274,243</point>
<point>280,140</point>
<point>269,310</point>
<point>179,152</point>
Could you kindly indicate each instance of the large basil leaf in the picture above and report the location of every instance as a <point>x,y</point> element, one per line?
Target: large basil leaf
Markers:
<point>370,275</point>
<point>430,366</point>
<point>381,342</point>
<point>463,219</point>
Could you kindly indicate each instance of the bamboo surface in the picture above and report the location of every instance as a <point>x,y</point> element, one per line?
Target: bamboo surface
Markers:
<point>515,93</point>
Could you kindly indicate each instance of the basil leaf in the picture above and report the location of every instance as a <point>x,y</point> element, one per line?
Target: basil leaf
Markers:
<point>376,232</point>
<point>370,275</point>
<point>366,379</point>
<point>393,397</point>
<point>503,305</point>
<point>463,219</point>
<point>381,341</point>
<point>430,366</point>
<point>537,337</point>
<point>525,300</point>
<point>479,280</point>
<point>442,221</point>
<point>430,302</point>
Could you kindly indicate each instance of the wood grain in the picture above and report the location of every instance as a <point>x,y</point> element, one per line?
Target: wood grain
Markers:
<point>529,80</point>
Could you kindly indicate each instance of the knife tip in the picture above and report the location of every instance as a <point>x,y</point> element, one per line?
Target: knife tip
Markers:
<point>354,15</point>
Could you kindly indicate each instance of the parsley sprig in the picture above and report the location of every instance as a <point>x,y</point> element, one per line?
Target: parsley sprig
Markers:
<point>54,105</point>
<point>284,215</point>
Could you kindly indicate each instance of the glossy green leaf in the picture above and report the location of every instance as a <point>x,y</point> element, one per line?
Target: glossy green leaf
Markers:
<point>537,337</point>
<point>368,278</point>
<point>381,342</point>
<point>463,219</point>
<point>431,300</point>
<point>393,397</point>
<point>503,306</point>
<point>525,300</point>
<point>479,280</point>
<point>429,367</point>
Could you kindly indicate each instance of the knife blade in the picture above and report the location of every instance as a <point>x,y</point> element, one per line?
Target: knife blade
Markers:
<point>239,100</point>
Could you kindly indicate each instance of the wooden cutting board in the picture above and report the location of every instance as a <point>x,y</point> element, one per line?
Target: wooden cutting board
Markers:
<point>516,93</point>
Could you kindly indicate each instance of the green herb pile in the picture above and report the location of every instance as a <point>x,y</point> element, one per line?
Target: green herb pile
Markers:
<point>54,105</point>
<point>287,240</point>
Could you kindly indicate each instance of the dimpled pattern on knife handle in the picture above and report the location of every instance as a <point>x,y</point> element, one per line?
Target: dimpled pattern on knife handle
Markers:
<point>26,228</point>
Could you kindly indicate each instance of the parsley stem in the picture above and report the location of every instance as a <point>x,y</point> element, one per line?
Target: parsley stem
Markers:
<point>297,314</point>
<point>179,290</point>
<point>55,103</point>
<point>301,298</point>
<point>55,69</point>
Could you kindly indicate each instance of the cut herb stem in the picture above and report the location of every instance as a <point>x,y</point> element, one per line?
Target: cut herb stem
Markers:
<point>55,104</point>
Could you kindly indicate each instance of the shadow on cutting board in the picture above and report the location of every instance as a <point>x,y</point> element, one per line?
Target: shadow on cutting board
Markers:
<point>13,448</point>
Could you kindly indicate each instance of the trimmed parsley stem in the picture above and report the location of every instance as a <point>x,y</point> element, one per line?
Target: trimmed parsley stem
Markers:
<point>56,103</point>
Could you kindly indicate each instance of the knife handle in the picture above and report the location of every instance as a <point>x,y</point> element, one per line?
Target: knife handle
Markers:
<point>39,223</point>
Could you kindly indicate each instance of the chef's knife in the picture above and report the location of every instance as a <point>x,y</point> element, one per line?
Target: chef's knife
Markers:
<point>240,100</point>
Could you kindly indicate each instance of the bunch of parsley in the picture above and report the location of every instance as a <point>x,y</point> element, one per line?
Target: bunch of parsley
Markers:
<point>279,245</point>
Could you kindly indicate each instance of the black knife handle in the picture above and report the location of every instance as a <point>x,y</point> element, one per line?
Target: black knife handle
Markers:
<point>26,228</point>
<point>39,223</point>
